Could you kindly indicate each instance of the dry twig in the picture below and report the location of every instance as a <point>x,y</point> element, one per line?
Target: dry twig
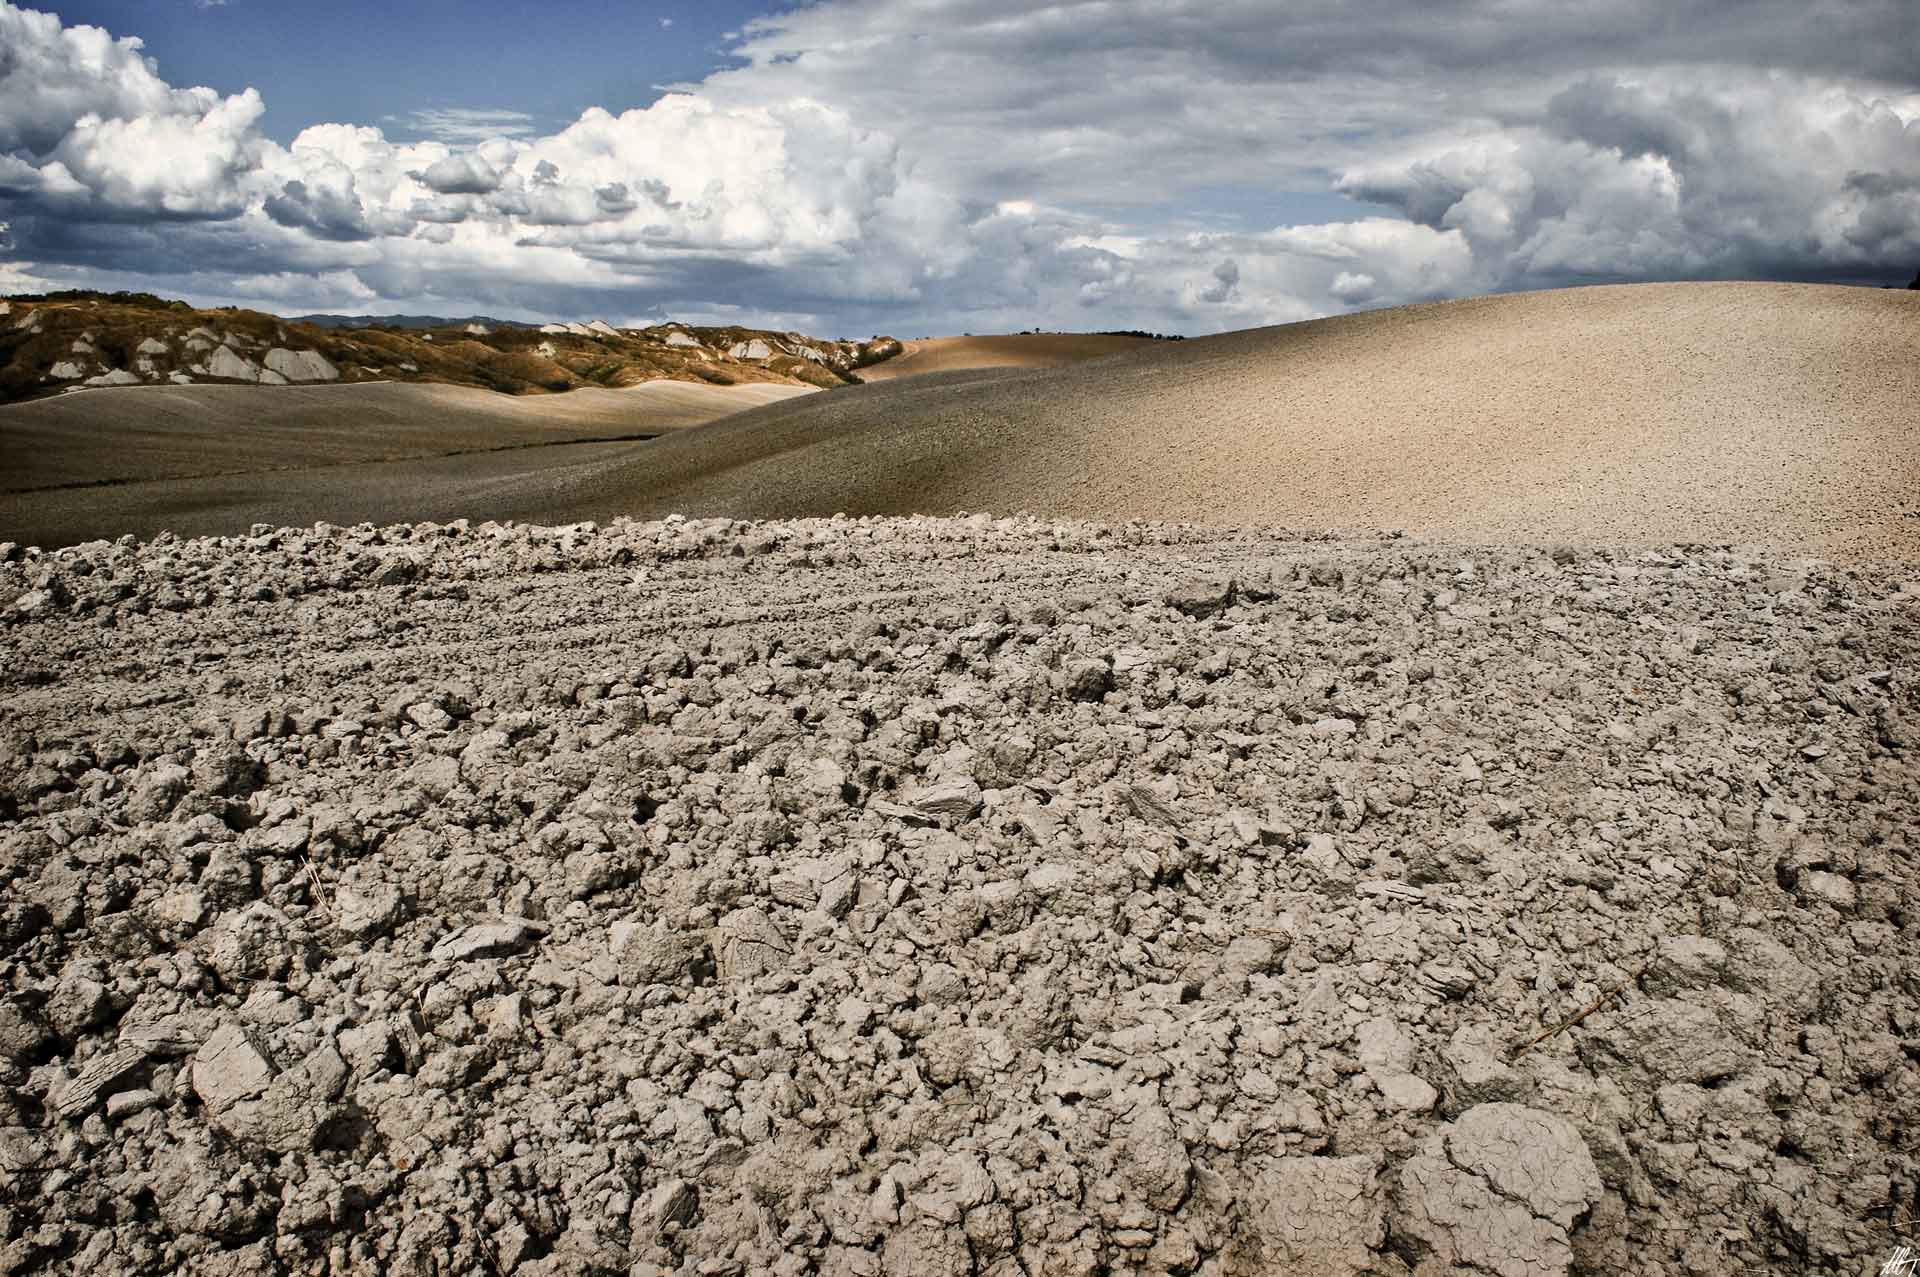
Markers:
<point>1608,995</point>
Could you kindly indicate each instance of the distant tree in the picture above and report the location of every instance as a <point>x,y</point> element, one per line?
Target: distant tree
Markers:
<point>1915,285</point>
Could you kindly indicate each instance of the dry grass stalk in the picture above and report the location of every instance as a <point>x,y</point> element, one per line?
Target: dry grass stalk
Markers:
<point>319,890</point>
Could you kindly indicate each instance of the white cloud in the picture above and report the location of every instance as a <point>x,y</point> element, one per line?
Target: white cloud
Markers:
<point>465,126</point>
<point>53,76</point>
<point>464,174</point>
<point>16,279</point>
<point>194,162</point>
<point>981,164</point>
<point>1352,288</point>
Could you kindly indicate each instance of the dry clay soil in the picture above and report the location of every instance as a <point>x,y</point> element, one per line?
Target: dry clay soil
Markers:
<point>913,896</point>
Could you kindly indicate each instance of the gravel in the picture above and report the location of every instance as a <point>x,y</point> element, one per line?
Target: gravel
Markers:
<point>863,896</point>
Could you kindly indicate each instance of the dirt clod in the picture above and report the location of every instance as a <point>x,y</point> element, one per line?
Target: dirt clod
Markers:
<point>929,896</point>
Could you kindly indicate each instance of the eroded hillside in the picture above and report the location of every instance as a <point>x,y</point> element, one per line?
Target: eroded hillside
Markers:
<point>77,341</point>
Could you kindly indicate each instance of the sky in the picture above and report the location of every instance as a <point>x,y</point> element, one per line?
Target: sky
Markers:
<point>915,167</point>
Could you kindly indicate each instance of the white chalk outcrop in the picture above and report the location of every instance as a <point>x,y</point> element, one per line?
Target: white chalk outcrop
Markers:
<point>302,365</point>
<point>235,367</point>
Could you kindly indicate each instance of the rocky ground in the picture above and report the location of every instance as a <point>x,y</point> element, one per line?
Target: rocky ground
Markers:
<point>960,896</point>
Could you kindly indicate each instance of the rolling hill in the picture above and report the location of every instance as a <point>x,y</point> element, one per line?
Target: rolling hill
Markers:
<point>1780,415</point>
<point>1776,414</point>
<point>1013,350</point>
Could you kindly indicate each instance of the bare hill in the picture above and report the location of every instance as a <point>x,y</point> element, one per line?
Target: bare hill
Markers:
<point>214,459</point>
<point>1779,414</point>
<point>178,431</point>
<point>1013,350</point>
<point>1772,414</point>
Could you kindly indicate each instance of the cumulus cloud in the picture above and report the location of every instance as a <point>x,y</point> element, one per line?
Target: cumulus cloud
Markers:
<point>460,174</point>
<point>973,164</point>
<point>1656,176</point>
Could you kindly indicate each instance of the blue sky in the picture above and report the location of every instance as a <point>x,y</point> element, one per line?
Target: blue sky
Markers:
<point>925,166</point>
<point>362,63</point>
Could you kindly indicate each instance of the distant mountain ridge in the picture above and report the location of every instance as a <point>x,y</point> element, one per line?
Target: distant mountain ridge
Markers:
<point>405,321</point>
<point>61,342</point>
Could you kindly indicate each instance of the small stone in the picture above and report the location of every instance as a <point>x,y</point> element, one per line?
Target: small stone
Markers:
<point>954,799</point>
<point>1151,808</point>
<point>750,945</point>
<point>367,911</point>
<point>654,955</point>
<point>672,1203</point>
<point>97,1077</point>
<point>1202,599</point>
<point>181,907</point>
<point>1407,1093</point>
<point>488,940</point>
<point>231,1066</point>
<point>1829,888</point>
<point>1088,680</point>
<point>77,1004</point>
<point>125,1104</point>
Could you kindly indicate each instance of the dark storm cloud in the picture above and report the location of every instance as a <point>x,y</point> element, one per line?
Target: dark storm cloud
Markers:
<point>327,214</point>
